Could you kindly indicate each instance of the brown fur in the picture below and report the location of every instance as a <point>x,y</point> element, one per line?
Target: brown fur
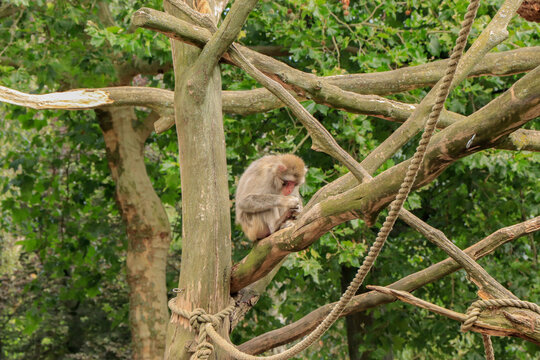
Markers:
<point>261,209</point>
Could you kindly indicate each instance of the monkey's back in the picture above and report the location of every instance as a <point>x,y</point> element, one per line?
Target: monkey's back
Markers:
<point>257,179</point>
<point>262,168</point>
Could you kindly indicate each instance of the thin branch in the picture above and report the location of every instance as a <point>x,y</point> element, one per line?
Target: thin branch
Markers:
<point>413,300</point>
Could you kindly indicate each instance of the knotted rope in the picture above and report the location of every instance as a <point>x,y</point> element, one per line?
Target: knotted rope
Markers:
<point>201,321</point>
<point>473,313</point>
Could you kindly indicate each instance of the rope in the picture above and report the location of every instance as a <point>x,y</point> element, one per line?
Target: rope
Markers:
<point>488,347</point>
<point>473,312</point>
<point>200,321</point>
<point>395,207</point>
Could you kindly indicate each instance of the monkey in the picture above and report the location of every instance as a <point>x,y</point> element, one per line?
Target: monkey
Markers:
<point>267,196</point>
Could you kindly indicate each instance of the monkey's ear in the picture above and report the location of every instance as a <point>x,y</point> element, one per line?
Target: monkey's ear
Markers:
<point>281,168</point>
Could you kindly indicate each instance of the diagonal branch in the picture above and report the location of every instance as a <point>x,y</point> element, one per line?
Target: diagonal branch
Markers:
<point>492,35</point>
<point>227,32</point>
<point>413,300</point>
<point>373,299</point>
<point>481,131</point>
<point>488,286</point>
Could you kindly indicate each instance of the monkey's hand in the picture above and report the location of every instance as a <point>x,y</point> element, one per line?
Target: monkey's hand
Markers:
<point>296,211</point>
<point>287,224</point>
<point>291,202</point>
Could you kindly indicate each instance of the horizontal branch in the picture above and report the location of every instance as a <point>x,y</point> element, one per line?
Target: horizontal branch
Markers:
<point>373,299</point>
<point>234,102</point>
<point>154,98</point>
<point>340,92</point>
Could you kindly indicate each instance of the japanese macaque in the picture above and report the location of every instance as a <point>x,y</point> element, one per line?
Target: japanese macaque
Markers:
<point>267,197</point>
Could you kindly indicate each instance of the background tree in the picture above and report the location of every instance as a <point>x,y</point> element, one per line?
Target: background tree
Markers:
<point>469,198</point>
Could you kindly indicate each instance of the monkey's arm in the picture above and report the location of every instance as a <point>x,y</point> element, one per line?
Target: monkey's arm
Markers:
<point>254,203</point>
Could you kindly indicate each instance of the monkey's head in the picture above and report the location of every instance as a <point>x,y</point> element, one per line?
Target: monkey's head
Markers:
<point>290,173</point>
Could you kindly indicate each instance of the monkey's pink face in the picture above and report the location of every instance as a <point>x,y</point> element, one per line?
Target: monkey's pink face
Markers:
<point>288,188</point>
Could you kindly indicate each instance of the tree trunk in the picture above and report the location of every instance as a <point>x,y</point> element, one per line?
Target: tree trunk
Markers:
<point>147,228</point>
<point>355,324</point>
<point>206,245</point>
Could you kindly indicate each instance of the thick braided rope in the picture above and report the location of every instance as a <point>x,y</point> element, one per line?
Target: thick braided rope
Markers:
<point>473,312</point>
<point>200,321</point>
<point>395,207</point>
<point>488,347</point>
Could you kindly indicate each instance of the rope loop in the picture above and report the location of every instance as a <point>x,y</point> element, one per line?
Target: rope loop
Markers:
<point>473,312</point>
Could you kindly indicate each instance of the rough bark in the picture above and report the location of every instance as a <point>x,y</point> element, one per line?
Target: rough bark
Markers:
<point>206,245</point>
<point>147,228</point>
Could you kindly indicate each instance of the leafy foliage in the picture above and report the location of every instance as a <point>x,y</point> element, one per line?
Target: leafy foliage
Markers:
<point>63,245</point>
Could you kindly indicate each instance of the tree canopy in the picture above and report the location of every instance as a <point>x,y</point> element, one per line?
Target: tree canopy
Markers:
<point>97,225</point>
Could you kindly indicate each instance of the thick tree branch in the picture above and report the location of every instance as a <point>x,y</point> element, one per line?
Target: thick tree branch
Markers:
<point>158,100</point>
<point>481,131</point>
<point>373,299</point>
<point>501,321</point>
<point>234,102</point>
<point>390,82</point>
